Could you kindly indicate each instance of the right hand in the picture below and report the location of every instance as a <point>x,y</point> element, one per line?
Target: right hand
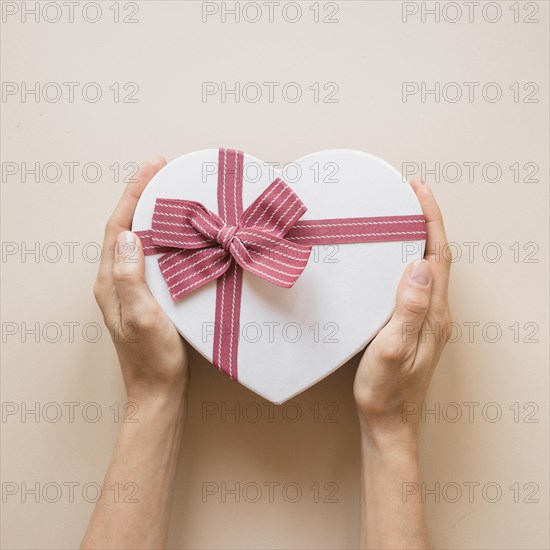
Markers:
<point>152,354</point>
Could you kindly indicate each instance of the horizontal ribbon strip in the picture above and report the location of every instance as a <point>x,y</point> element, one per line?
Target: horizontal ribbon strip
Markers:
<point>266,239</point>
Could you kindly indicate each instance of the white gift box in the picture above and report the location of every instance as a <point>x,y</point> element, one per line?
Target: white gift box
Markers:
<point>291,338</point>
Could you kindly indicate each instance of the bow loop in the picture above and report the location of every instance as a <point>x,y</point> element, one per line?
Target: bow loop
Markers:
<point>276,210</point>
<point>184,224</point>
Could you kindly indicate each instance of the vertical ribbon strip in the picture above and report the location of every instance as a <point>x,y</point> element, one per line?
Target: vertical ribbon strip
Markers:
<point>229,285</point>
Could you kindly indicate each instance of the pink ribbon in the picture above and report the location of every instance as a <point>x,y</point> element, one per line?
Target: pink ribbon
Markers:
<point>266,239</point>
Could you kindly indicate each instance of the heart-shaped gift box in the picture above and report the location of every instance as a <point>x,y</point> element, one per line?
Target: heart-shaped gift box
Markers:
<point>278,277</point>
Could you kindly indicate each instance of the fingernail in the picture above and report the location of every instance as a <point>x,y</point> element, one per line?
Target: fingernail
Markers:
<point>126,243</point>
<point>420,272</point>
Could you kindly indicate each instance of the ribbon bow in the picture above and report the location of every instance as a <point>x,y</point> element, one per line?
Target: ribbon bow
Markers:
<point>204,245</point>
<point>266,239</point>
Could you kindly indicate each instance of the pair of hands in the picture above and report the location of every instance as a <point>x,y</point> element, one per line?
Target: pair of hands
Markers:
<point>395,369</point>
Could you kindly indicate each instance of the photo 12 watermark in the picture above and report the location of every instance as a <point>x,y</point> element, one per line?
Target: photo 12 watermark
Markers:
<point>470,332</point>
<point>54,492</point>
<point>68,171</point>
<point>463,11</point>
<point>269,92</point>
<point>470,171</point>
<point>291,172</point>
<point>452,412</point>
<point>452,492</point>
<point>70,412</point>
<point>252,12</point>
<point>67,332</point>
<point>254,412</point>
<point>269,492</point>
<point>289,332</point>
<point>51,12</point>
<point>469,92</point>
<point>490,252</point>
<point>69,92</point>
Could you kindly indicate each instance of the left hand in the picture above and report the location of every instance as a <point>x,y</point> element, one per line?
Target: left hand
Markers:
<point>398,364</point>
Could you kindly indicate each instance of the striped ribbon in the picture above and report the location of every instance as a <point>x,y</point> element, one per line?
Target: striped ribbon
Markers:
<point>266,239</point>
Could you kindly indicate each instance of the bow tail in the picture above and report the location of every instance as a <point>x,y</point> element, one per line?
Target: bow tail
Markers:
<point>227,325</point>
<point>149,246</point>
<point>186,270</point>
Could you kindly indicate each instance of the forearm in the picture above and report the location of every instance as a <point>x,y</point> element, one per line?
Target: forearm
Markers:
<point>390,517</point>
<point>145,456</point>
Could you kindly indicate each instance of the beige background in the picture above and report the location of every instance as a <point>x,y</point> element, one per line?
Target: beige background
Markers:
<point>169,52</point>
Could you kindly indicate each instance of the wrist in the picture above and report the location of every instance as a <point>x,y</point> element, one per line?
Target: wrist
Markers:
<point>154,393</point>
<point>388,420</point>
<point>389,434</point>
<point>155,407</point>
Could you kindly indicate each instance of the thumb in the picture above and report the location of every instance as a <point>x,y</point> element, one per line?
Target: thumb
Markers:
<point>413,301</point>
<point>129,277</point>
<point>399,338</point>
